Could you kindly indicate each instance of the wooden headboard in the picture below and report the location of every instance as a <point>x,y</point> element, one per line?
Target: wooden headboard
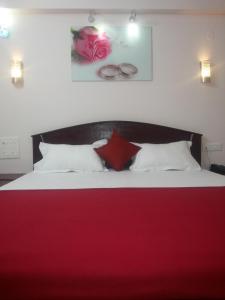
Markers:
<point>133,131</point>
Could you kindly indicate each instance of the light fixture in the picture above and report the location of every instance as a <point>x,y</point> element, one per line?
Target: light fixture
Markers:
<point>17,71</point>
<point>91,17</point>
<point>133,15</point>
<point>205,71</point>
<point>132,27</point>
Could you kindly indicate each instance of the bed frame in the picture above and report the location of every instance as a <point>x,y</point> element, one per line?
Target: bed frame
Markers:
<point>133,131</point>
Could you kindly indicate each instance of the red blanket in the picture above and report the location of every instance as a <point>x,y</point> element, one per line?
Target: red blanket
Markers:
<point>112,244</point>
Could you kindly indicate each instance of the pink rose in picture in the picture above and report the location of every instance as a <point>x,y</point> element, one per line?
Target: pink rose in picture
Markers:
<point>90,46</point>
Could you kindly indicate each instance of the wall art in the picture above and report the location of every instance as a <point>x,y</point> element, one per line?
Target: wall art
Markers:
<point>111,53</point>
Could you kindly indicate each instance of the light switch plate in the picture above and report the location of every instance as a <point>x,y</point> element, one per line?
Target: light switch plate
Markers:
<point>9,147</point>
<point>214,147</point>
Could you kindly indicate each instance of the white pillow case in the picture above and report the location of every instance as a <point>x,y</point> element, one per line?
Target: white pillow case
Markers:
<point>66,158</point>
<point>161,157</point>
<point>45,147</point>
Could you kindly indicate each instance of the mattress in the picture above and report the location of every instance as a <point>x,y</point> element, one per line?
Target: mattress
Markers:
<point>113,179</point>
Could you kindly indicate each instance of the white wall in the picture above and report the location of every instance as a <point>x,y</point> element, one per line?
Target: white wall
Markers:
<point>50,100</point>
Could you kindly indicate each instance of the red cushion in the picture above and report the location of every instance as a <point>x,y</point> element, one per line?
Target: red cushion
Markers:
<point>117,152</point>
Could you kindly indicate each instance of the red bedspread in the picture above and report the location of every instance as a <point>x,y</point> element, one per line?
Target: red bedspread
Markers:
<point>112,244</point>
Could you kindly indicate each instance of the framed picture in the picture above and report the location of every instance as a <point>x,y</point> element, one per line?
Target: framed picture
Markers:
<point>111,54</point>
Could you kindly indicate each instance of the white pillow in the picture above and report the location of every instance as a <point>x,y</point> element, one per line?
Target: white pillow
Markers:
<point>160,157</point>
<point>45,147</point>
<point>66,158</point>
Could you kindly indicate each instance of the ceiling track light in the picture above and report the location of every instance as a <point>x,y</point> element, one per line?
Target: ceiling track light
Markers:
<point>91,17</point>
<point>133,15</point>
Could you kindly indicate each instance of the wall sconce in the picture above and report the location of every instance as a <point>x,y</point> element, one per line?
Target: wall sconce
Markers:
<point>205,71</point>
<point>17,71</point>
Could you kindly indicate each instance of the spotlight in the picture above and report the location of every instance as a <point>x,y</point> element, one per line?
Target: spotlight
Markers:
<point>133,29</point>
<point>133,15</point>
<point>91,17</point>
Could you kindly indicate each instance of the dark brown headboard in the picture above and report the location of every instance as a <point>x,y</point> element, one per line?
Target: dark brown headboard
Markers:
<point>133,131</point>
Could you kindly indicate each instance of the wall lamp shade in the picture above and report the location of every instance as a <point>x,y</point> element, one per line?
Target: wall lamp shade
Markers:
<point>205,71</point>
<point>17,71</point>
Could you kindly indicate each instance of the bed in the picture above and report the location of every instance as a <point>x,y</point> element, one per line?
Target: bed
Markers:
<point>113,235</point>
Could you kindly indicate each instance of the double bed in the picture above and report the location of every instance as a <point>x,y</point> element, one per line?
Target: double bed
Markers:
<point>113,235</point>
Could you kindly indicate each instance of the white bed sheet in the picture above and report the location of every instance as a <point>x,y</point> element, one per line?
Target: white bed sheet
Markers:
<point>113,179</point>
